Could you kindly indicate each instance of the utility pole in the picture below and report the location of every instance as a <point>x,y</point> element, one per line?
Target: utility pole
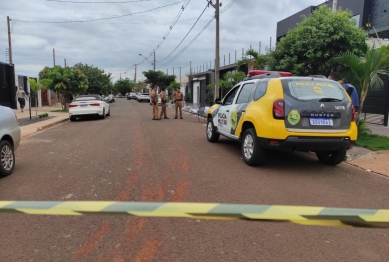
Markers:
<point>64,61</point>
<point>190,68</point>
<point>180,75</point>
<point>217,47</point>
<point>154,59</point>
<point>173,70</point>
<point>135,74</point>
<point>54,56</point>
<point>9,41</point>
<point>334,5</point>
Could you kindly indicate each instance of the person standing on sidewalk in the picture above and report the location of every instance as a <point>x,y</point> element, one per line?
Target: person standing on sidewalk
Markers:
<point>154,102</point>
<point>163,103</point>
<point>21,97</point>
<point>178,97</point>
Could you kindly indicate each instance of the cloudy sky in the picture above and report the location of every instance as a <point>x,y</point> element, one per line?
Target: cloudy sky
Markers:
<point>110,34</point>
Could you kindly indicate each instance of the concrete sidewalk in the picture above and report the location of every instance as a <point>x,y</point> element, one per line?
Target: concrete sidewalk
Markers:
<point>32,128</point>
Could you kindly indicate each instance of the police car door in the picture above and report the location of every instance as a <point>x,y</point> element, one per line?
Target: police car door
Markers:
<point>223,117</point>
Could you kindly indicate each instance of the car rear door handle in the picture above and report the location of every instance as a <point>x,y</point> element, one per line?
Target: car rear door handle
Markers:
<point>227,110</point>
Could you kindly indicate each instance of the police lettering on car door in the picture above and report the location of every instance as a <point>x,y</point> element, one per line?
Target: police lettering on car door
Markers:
<point>222,119</point>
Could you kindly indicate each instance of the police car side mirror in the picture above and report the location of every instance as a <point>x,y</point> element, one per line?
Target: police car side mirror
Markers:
<point>217,101</point>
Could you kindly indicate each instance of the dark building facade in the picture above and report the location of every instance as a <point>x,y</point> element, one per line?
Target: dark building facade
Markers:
<point>7,86</point>
<point>368,14</point>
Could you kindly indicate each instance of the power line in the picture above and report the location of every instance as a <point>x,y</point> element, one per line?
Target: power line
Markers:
<point>98,19</point>
<point>206,25</point>
<point>184,48</point>
<point>173,24</point>
<point>187,33</point>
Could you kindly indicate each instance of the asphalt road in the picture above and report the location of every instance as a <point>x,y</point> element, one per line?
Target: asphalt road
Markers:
<point>129,157</point>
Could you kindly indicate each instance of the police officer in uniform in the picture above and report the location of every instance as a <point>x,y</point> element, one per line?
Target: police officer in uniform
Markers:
<point>154,102</point>
<point>178,97</point>
<point>163,103</point>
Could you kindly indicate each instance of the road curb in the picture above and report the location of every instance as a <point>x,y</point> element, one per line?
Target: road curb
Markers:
<point>370,171</point>
<point>45,127</point>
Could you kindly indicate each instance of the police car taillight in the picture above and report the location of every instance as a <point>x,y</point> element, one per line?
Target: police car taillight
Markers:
<point>353,113</point>
<point>279,109</point>
<point>263,72</point>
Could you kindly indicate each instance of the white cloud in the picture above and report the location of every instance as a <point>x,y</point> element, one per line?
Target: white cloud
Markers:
<point>114,44</point>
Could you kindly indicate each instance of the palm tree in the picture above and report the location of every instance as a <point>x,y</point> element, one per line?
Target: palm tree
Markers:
<point>366,70</point>
<point>257,62</point>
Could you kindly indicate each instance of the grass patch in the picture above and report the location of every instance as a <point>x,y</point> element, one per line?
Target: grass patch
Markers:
<point>373,142</point>
<point>60,111</point>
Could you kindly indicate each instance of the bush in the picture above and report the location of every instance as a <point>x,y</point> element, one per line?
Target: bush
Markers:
<point>362,126</point>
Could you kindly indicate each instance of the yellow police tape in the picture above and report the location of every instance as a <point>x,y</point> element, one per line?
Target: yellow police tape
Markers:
<point>304,215</point>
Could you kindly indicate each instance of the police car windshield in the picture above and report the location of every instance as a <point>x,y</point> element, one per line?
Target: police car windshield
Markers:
<point>313,89</point>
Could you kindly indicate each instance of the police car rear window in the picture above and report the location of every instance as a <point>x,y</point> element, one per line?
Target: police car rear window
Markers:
<point>312,90</point>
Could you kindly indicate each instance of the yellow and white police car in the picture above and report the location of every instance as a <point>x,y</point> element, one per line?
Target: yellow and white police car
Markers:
<point>275,110</point>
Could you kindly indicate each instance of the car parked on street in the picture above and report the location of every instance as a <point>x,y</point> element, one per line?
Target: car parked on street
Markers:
<point>278,111</point>
<point>133,95</point>
<point>9,140</point>
<point>143,97</point>
<point>88,105</point>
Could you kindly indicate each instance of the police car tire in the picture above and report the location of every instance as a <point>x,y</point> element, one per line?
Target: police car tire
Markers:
<point>72,118</point>
<point>331,158</point>
<point>258,152</point>
<point>214,137</point>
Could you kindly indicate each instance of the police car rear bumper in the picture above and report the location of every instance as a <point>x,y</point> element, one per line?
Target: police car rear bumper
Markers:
<point>306,144</point>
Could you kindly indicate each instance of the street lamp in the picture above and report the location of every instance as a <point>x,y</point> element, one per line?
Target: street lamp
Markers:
<point>152,53</point>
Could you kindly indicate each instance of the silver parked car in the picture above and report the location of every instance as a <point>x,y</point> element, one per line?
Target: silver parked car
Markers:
<point>9,140</point>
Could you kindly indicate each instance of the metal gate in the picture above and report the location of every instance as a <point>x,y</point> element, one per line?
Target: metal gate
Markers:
<point>376,105</point>
<point>7,86</point>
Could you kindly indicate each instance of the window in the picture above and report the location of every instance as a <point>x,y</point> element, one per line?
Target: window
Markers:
<point>312,90</point>
<point>261,90</point>
<point>245,93</point>
<point>230,96</point>
<point>86,98</point>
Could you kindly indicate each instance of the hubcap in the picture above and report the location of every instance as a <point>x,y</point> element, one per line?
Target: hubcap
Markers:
<point>248,146</point>
<point>7,159</point>
<point>209,129</point>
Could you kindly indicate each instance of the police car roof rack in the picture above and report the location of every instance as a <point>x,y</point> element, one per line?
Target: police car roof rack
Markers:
<point>317,76</point>
<point>270,74</point>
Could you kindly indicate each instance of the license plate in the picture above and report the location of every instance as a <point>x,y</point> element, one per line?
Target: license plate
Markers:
<point>84,105</point>
<point>321,122</point>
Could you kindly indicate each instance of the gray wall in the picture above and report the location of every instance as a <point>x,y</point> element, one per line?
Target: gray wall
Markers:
<point>285,25</point>
<point>355,6</point>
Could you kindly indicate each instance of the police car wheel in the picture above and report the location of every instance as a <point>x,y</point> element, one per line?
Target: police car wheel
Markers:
<point>253,153</point>
<point>103,115</point>
<point>212,135</point>
<point>331,158</point>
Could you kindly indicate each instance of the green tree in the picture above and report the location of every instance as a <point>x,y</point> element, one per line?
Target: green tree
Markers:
<point>236,77</point>
<point>36,87</point>
<point>257,61</point>
<point>173,85</point>
<point>65,80</point>
<point>366,69</point>
<point>98,81</point>
<point>158,78</point>
<point>223,84</point>
<point>123,86</point>
<point>306,49</point>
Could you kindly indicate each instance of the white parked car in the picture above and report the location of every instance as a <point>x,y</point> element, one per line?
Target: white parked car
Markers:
<point>9,140</point>
<point>143,97</point>
<point>87,105</point>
